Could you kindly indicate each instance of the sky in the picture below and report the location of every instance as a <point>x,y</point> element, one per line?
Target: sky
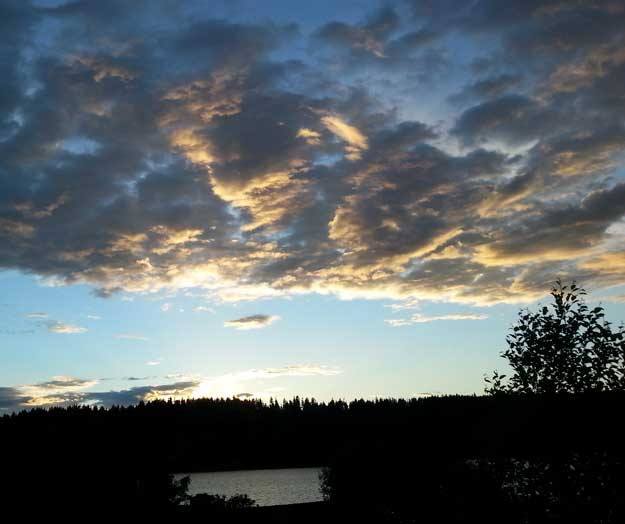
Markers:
<point>327,199</point>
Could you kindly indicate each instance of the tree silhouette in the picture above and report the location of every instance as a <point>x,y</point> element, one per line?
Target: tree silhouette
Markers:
<point>565,347</point>
<point>212,505</point>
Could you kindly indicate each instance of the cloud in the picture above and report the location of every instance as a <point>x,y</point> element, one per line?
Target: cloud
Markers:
<point>17,331</point>
<point>244,395</point>
<point>37,315</point>
<point>369,38</point>
<point>295,370</point>
<point>356,141</point>
<point>512,119</point>
<point>12,399</point>
<point>62,328</point>
<point>617,299</point>
<point>249,161</point>
<point>64,390</point>
<point>60,390</point>
<point>380,40</point>
<point>486,88</point>
<point>165,307</point>
<point>153,363</point>
<point>131,336</point>
<point>232,384</point>
<point>251,322</point>
<point>418,318</point>
<point>176,391</point>
<point>55,326</point>
<point>203,309</point>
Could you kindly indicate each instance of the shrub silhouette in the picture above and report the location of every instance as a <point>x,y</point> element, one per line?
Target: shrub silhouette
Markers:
<point>211,505</point>
<point>161,490</point>
<point>565,347</point>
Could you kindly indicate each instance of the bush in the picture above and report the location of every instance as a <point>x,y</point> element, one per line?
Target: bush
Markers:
<point>219,504</point>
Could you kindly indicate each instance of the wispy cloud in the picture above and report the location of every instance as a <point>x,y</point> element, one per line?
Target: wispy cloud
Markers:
<point>295,370</point>
<point>252,380</point>
<point>165,307</point>
<point>418,318</point>
<point>614,299</point>
<point>251,322</point>
<point>37,315</point>
<point>131,336</point>
<point>411,303</point>
<point>55,326</point>
<point>6,331</point>
<point>153,363</point>
<point>62,328</point>
<point>203,309</point>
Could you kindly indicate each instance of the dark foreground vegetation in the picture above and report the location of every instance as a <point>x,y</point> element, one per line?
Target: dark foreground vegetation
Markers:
<point>473,455</point>
<point>545,445</point>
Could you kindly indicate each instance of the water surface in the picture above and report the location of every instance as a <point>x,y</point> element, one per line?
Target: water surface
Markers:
<point>268,487</point>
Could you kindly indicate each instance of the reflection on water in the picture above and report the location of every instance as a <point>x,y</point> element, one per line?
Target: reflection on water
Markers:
<point>268,487</point>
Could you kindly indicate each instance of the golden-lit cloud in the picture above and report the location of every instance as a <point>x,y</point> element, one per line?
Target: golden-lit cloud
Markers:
<point>204,159</point>
<point>499,254</point>
<point>268,197</point>
<point>64,329</point>
<point>356,141</point>
<point>596,64</point>
<point>59,389</point>
<point>251,383</point>
<point>610,263</point>
<point>15,227</point>
<point>189,142</point>
<point>311,137</point>
<point>102,68</point>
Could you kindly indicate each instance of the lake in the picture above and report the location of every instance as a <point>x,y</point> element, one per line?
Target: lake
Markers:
<point>268,487</point>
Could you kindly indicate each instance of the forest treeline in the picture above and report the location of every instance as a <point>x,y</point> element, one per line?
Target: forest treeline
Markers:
<point>212,434</point>
<point>95,454</point>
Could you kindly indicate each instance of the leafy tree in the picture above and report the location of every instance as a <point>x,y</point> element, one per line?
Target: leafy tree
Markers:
<point>565,347</point>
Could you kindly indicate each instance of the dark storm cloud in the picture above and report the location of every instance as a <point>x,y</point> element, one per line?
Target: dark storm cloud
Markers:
<point>512,119</point>
<point>16,21</point>
<point>151,145</point>
<point>562,231</point>
<point>382,41</point>
<point>369,37</point>
<point>11,399</point>
<point>219,43</point>
<point>490,87</point>
<point>558,21</point>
